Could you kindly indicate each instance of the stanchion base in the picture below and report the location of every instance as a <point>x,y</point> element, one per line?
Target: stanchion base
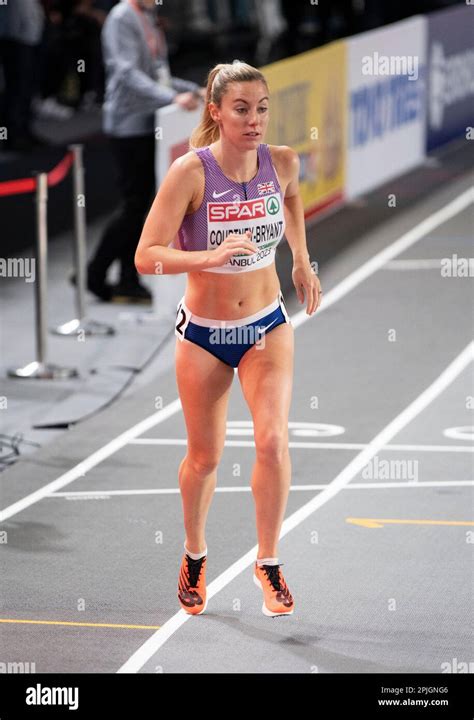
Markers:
<point>43,371</point>
<point>87,327</point>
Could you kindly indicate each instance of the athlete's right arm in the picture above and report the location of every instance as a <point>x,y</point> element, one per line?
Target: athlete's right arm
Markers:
<point>153,256</point>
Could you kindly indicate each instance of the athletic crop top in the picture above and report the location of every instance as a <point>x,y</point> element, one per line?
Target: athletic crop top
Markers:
<point>232,207</point>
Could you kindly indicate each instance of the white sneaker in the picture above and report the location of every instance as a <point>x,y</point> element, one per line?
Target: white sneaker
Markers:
<point>50,108</point>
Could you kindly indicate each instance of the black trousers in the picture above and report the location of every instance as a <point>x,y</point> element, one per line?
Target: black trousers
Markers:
<point>18,60</point>
<point>135,158</point>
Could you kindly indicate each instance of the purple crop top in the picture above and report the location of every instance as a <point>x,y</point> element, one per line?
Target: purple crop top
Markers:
<point>232,207</point>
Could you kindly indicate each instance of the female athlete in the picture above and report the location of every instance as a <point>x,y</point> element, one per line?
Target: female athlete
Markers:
<point>218,216</point>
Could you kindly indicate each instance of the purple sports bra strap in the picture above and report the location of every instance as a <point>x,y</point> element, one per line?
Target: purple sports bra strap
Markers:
<point>205,156</point>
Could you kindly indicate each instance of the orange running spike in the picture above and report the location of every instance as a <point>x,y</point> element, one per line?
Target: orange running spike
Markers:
<point>277,599</point>
<point>192,593</point>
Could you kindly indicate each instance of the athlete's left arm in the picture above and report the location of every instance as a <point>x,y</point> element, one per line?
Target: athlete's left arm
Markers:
<point>304,278</point>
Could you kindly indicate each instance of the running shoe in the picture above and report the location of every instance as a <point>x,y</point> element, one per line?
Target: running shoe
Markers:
<point>277,599</point>
<point>192,593</point>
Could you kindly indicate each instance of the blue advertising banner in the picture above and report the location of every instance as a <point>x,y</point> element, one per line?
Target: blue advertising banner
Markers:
<point>450,60</point>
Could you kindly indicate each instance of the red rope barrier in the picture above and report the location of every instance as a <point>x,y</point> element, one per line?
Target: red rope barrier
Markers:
<point>26,185</point>
<point>15,187</point>
<point>61,170</point>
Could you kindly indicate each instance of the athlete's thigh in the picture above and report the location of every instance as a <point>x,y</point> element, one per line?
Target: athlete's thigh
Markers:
<point>266,377</point>
<point>204,384</point>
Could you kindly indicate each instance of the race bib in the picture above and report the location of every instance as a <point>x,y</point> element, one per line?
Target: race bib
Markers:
<point>182,320</point>
<point>263,216</point>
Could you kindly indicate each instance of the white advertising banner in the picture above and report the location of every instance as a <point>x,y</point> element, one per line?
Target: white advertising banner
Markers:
<point>386,103</point>
<point>173,127</point>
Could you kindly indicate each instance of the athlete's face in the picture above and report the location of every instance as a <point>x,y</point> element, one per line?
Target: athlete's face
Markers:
<point>243,115</point>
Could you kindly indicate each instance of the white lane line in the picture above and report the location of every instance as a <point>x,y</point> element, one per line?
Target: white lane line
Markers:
<point>102,454</point>
<point>84,494</point>
<point>157,640</point>
<point>356,277</point>
<point>316,445</point>
<point>377,261</point>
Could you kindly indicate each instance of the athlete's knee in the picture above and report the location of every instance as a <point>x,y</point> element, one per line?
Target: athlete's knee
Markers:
<point>203,463</point>
<point>271,444</point>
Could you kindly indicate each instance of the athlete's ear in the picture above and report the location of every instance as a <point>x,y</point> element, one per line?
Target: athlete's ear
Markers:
<point>213,111</point>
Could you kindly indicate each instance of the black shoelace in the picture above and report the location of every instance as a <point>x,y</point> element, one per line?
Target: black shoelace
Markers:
<point>273,574</point>
<point>194,570</point>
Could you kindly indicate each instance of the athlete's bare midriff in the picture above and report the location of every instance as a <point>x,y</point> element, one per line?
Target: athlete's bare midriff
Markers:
<point>230,297</point>
<point>223,296</point>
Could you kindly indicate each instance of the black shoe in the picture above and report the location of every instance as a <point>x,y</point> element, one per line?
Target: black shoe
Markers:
<point>128,292</point>
<point>98,287</point>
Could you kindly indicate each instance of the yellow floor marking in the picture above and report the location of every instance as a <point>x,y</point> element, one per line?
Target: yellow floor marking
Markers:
<point>81,624</point>
<point>380,522</point>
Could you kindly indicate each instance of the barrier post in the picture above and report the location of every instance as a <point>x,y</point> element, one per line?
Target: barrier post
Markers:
<point>79,324</point>
<point>79,210</point>
<point>40,368</point>
<point>41,285</point>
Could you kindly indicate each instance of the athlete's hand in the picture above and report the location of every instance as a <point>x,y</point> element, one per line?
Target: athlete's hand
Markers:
<point>187,100</point>
<point>234,244</point>
<point>307,282</point>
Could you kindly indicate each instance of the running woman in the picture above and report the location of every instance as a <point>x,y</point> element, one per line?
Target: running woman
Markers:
<point>219,214</point>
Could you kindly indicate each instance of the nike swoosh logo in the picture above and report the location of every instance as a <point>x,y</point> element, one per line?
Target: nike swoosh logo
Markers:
<point>266,328</point>
<point>218,195</point>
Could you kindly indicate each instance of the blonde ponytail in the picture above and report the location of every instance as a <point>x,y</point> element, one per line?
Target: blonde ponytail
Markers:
<point>218,79</point>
